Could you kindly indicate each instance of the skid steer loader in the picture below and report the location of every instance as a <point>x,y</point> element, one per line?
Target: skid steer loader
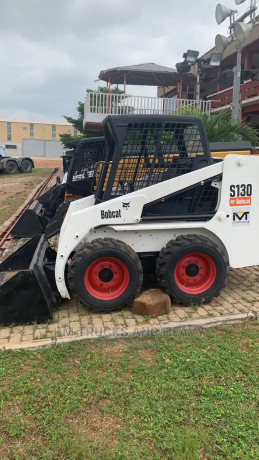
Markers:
<point>45,215</point>
<point>159,200</point>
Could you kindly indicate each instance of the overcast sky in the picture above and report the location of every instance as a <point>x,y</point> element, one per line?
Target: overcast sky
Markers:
<point>52,50</point>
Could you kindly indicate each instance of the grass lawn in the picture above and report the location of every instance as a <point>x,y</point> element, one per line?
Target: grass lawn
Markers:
<point>16,188</point>
<point>171,397</point>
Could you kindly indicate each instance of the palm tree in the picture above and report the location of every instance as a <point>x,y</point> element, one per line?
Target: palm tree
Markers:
<point>222,128</point>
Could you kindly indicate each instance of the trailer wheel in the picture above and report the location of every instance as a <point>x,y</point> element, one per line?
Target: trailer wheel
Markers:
<point>192,269</point>
<point>26,166</point>
<point>106,274</point>
<point>11,167</point>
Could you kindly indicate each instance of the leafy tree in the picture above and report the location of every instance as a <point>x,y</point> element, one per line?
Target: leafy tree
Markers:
<point>222,128</point>
<point>78,122</point>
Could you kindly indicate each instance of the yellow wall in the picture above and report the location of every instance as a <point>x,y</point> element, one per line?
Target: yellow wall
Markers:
<point>19,131</point>
<point>3,131</point>
<point>64,130</point>
<point>42,131</point>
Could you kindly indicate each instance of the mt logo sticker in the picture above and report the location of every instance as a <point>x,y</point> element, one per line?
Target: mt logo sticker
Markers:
<point>241,217</point>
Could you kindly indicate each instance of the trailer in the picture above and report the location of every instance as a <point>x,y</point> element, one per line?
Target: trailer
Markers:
<point>10,165</point>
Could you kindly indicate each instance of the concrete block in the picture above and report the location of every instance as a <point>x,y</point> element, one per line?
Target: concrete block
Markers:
<point>152,302</point>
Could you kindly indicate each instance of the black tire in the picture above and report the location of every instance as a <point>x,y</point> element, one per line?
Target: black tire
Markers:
<point>11,167</point>
<point>26,166</point>
<point>113,258</point>
<point>192,269</point>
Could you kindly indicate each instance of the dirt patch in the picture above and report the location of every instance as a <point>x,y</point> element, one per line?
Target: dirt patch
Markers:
<point>47,162</point>
<point>9,188</point>
<point>16,189</point>
<point>147,356</point>
<point>95,424</point>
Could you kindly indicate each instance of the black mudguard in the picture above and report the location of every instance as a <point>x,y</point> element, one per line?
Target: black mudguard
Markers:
<point>28,291</point>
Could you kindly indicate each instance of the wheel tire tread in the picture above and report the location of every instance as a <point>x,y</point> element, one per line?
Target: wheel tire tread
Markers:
<point>179,243</point>
<point>94,246</point>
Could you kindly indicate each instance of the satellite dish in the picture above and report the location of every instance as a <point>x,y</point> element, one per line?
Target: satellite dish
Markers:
<point>222,42</point>
<point>222,12</point>
<point>242,31</point>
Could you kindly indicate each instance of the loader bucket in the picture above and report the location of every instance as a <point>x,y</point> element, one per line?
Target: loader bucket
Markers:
<point>31,222</point>
<point>28,291</point>
<point>34,220</point>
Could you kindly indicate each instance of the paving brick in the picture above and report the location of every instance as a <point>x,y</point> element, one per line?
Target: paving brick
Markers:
<point>73,317</point>
<point>109,325</point>
<point>74,325</point>
<point>130,322</point>
<point>181,313</point>
<point>15,337</point>
<point>154,322</point>
<point>173,317</point>
<point>119,321</point>
<point>4,333</point>
<point>128,314</point>
<point>85,320</point>
<point>202,312</point>
<point>107,317</point>
<point>27,337</point>
<point>3,341</point>
<point>97,322</point>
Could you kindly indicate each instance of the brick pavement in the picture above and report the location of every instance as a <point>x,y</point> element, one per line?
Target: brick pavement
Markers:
<point>239,301</point>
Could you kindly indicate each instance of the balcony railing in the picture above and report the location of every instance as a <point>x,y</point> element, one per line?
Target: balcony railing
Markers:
<point>223,99</point>
<point>99,105</point>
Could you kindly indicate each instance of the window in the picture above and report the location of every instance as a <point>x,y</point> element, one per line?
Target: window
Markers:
<point>53,132</point>
<point>75,132</point>
<point>69,131</point>
<point>9,131</point>
<point>9,146</point>
<point>31,131</point>
<point>24,128</point>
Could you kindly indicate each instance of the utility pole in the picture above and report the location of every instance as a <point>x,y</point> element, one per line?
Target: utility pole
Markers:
<point>236,101</point>
<point>198,91</point>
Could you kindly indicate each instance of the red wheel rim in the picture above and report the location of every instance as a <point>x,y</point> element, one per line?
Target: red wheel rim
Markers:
<point>195,273</point>
<point>106,278</point>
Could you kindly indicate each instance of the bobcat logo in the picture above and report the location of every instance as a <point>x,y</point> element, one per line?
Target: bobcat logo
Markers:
<point>126,205</point>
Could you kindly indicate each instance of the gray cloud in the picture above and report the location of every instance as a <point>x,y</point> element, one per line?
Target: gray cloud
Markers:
<point>51,51</point>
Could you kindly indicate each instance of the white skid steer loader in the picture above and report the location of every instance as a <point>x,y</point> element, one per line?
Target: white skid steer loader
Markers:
<point>159,201</point>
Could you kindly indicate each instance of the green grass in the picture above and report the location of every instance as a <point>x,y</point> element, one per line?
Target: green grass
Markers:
<point>36,171</point>
<point>178,397</point>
